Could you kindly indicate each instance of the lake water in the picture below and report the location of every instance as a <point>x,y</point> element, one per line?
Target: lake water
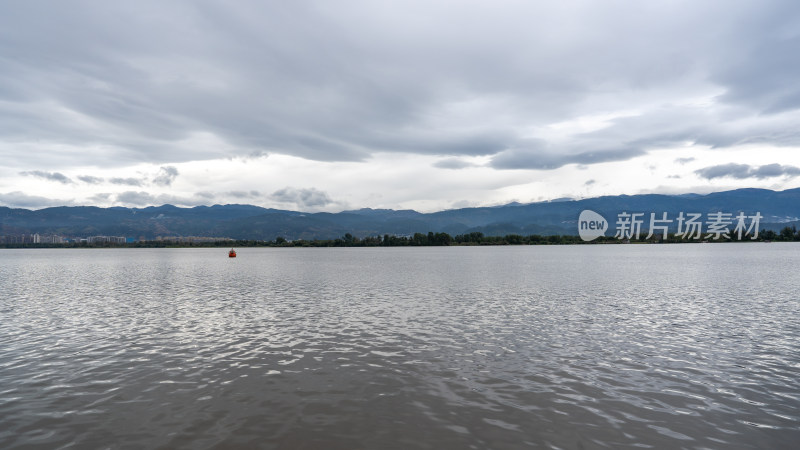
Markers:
<point>591,346</point>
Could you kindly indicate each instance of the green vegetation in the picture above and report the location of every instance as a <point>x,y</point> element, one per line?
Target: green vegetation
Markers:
<point>416,240</point>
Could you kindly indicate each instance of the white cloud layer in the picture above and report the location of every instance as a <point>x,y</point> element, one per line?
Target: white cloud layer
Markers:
<point>194,101</point>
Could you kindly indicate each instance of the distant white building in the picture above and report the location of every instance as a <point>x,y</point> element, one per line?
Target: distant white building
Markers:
<point>105,239</point>
<point>35,238</point>
<point>54,239</point>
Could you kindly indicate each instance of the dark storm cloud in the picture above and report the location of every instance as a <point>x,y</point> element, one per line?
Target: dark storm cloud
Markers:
<point>180,81</point>
<point>50,176</point>
<point>743,171</point>
<point>302,197</point>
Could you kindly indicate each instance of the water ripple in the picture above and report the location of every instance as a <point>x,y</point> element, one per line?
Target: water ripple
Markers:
<point>560,347</point>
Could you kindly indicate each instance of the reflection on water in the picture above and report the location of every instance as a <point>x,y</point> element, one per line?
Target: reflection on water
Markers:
<point>692,346</point>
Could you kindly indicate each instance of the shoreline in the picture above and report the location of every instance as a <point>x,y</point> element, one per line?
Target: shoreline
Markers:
<point>490,241</point>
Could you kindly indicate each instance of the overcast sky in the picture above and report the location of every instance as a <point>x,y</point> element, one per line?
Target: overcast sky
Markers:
<point>332,105</point>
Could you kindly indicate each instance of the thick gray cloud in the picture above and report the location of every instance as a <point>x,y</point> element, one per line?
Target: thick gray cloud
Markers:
<point>205,195</point>
<point>537,158</point>
<point>100,197</point>
<point>142,198</point>
<point>18,199</point>
<point>166,175</point>
<point>764,77</point>
<point>243,194</point>
<point>338,82</point>
<point>743,171</point>
<point>50,176</point>
<point>310,198</point>
<point>139,198</point>
<point>126,181</point>
<point>88,179</point>
<point>453,163</point>
<point>775,170</point>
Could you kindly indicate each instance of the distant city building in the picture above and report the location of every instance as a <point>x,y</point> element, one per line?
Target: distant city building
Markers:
<point>192,239</point>
<point>105,240</point>
<point>35,238</point>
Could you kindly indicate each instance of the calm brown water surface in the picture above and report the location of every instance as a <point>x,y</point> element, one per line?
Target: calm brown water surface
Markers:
<point>681,346</point>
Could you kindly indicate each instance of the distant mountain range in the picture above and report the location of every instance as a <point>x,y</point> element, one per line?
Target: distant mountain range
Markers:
<point>779,209</point>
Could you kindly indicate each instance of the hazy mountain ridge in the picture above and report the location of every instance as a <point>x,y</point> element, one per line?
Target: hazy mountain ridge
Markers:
<point>254,222</point>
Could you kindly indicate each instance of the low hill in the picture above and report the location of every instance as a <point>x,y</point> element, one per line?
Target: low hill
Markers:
<point>778,209</point>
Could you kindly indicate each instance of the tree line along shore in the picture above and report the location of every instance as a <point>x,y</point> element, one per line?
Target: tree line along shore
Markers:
<point>787,234</point>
